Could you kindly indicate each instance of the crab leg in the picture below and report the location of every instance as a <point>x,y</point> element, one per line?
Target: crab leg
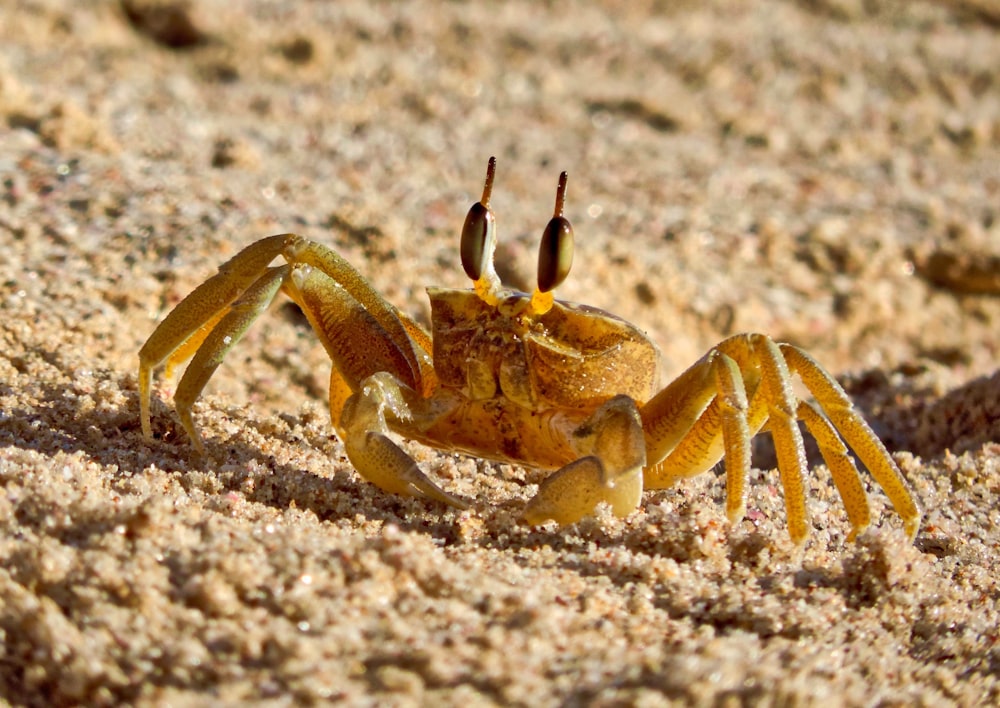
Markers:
<point>776,387</point>
<point>374,455</point>
<point>365,383</point>
<point>725,427</point>
<point>223,337</point>
<point>842,469</point>
<point>670,415</point>
<point>613,453</point>
<point>195,316</point>
<point>727,369</point>
<point>189,325</point>
<point>394,328</point>
<point>856,432</point>
<point>764,369</point>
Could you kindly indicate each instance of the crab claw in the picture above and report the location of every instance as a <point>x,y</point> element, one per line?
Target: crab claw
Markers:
<point>611,473</point>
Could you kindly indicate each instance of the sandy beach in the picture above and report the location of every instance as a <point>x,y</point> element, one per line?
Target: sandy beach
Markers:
<point>826,172</point>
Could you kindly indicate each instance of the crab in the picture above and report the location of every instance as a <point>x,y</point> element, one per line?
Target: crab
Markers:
<point>528,379</point>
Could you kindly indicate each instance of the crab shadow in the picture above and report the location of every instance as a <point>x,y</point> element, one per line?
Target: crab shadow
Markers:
<point>110,436</point>
<point>726,586</point>
<point>59,424</point>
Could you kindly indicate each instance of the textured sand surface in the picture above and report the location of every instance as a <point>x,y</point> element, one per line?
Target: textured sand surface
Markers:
<point>824,171</point>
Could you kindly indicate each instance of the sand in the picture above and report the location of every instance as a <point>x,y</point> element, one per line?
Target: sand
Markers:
<point>825,172</point>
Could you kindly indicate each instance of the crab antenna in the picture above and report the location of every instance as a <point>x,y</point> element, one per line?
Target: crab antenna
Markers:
<point>555,253</point>
<point>560,195</point>
<point>491,170</point>
<point>479,243</point>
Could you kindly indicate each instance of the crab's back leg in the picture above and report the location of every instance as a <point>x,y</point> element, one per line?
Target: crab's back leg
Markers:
<point>190,322</point>
<point>413,365</point>
<point>669,416</point>
<point>724,427</point>
<point>838,407</point>
<point>782,410</point>
<point>740,362</point>
<point>613,453</point>
<point>842,468</point>
<point>220,340</point>
<point>699,435</point>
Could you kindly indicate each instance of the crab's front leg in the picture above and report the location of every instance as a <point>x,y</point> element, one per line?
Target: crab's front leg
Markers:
<point>609,470</point>
<point>364,428</point>
<point>366,386</point>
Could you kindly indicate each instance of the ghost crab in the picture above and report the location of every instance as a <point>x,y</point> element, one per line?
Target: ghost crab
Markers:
<point>527,379</point>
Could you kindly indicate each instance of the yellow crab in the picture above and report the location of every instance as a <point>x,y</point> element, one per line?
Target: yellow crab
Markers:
<point>527,379</point>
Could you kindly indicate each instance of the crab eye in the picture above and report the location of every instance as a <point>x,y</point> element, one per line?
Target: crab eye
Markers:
<point>477,232</point>
<point>555,253</point>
